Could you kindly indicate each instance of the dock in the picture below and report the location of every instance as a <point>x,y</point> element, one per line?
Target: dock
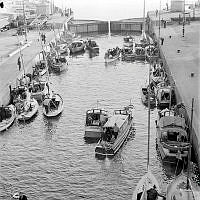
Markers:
<point>180,53</point>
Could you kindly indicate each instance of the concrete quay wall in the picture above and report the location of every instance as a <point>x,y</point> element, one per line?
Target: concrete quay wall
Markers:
<point>181,60</point>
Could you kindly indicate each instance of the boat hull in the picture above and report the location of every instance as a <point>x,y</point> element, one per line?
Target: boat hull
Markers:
<point>93,132</point>
<point>101,150</point>
<point>5,124</point>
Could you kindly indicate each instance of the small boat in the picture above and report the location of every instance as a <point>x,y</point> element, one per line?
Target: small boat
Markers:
<point>95,120</point>
<point>158,75</point>
<point>52,105</point>
<point>91,45</point>
<point>26,109</point>
<point>145,186</point>
<point>116,130</point>
<point>128,41</point>
<point>63,49</point>
<point>77,46</point>
<point>152,53</point>
<point>59,64</point>
<point>144,97</point>
<point>182,188</point>
<point>40,67</point>
<point>112,55</point>
<point>163,95</point>
<point>172,137</point>
<point>7,117</point>
<point>140,53</point>
<point>127,54</point>
<point>38,89</point>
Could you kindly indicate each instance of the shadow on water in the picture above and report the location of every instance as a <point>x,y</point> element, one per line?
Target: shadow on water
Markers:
<point>90,140</point>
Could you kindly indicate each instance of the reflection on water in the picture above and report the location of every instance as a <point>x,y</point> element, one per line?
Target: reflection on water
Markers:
<point>50,159</point>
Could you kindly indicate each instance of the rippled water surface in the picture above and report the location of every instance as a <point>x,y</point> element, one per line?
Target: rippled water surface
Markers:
<point>49,158</point>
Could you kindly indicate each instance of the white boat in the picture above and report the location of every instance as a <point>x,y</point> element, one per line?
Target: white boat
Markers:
<point>116,130</point>
<point>172,137</point>
<point>91,45</point>
<point>52,105</point>
<point>29,109</point>
<point>77,46</point>
<point>144,187</point>
<point>112,55</point>
<point>95,120</point>
<point>8,117</point>
<point>144,97</point>
<point>182,188</point>
<point>128,41</point>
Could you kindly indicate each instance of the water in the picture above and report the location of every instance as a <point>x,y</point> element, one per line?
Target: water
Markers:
<point>49,158</point>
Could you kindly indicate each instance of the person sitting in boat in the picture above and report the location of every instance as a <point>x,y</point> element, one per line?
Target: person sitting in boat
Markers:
<point>22,196</point>
<point>152,194</point>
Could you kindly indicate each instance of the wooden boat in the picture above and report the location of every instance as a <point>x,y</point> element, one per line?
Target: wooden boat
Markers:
<point>152,53</point>
<point>172,137</point>
<point>59,64</point>
<point>144,97</point>
<point>95,120</point>
<point>38,89</point>
<point>52,105</point>
<point>128,54</point>
<point>140,53</point>
<point>26,109</point>
<point>7,117</point>
<point>91,45</point>
<point>112,55</point>
<point>144,186</point>
<point>77,46</point>
<point>116,130</point>
<point>163,96</point>
<point>128,41</point>
<point>182,187</point>
<point>40,67</point>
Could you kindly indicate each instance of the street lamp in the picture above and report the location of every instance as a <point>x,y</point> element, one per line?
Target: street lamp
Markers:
<point>183,19</point>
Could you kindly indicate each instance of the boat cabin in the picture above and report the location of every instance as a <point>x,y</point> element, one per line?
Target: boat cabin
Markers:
<point>128,39</point>
<point>51,103</point>
<point>96,117</point>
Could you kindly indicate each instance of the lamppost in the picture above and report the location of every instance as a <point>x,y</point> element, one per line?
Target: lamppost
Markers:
<point>183,18</point>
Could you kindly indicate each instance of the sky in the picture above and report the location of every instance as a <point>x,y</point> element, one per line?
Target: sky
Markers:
<point>110,9</point>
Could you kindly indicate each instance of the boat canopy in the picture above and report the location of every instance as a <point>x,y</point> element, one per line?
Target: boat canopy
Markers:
<point>96,111</point>
<point>172,121</point>
<point>174,130</point>
<point>118,119</point>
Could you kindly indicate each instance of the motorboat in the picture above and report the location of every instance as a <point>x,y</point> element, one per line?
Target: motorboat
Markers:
<point>163,95</point>
<point>172,137</point>
<point>91,45</point>
<point>112,55</point>
<point>128,41</point>
<point>152,53</point>
<point>76,46</point>
<point>140,53</point>
<point>7,116</point>
<point>95,120</point>
<point>40,67</point>
<point>52,105</point>
<point>127,54</point>
<point>116,130</point>
<point>59,64</point>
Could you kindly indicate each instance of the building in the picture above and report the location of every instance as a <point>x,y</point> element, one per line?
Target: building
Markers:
<point>177,5</point>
